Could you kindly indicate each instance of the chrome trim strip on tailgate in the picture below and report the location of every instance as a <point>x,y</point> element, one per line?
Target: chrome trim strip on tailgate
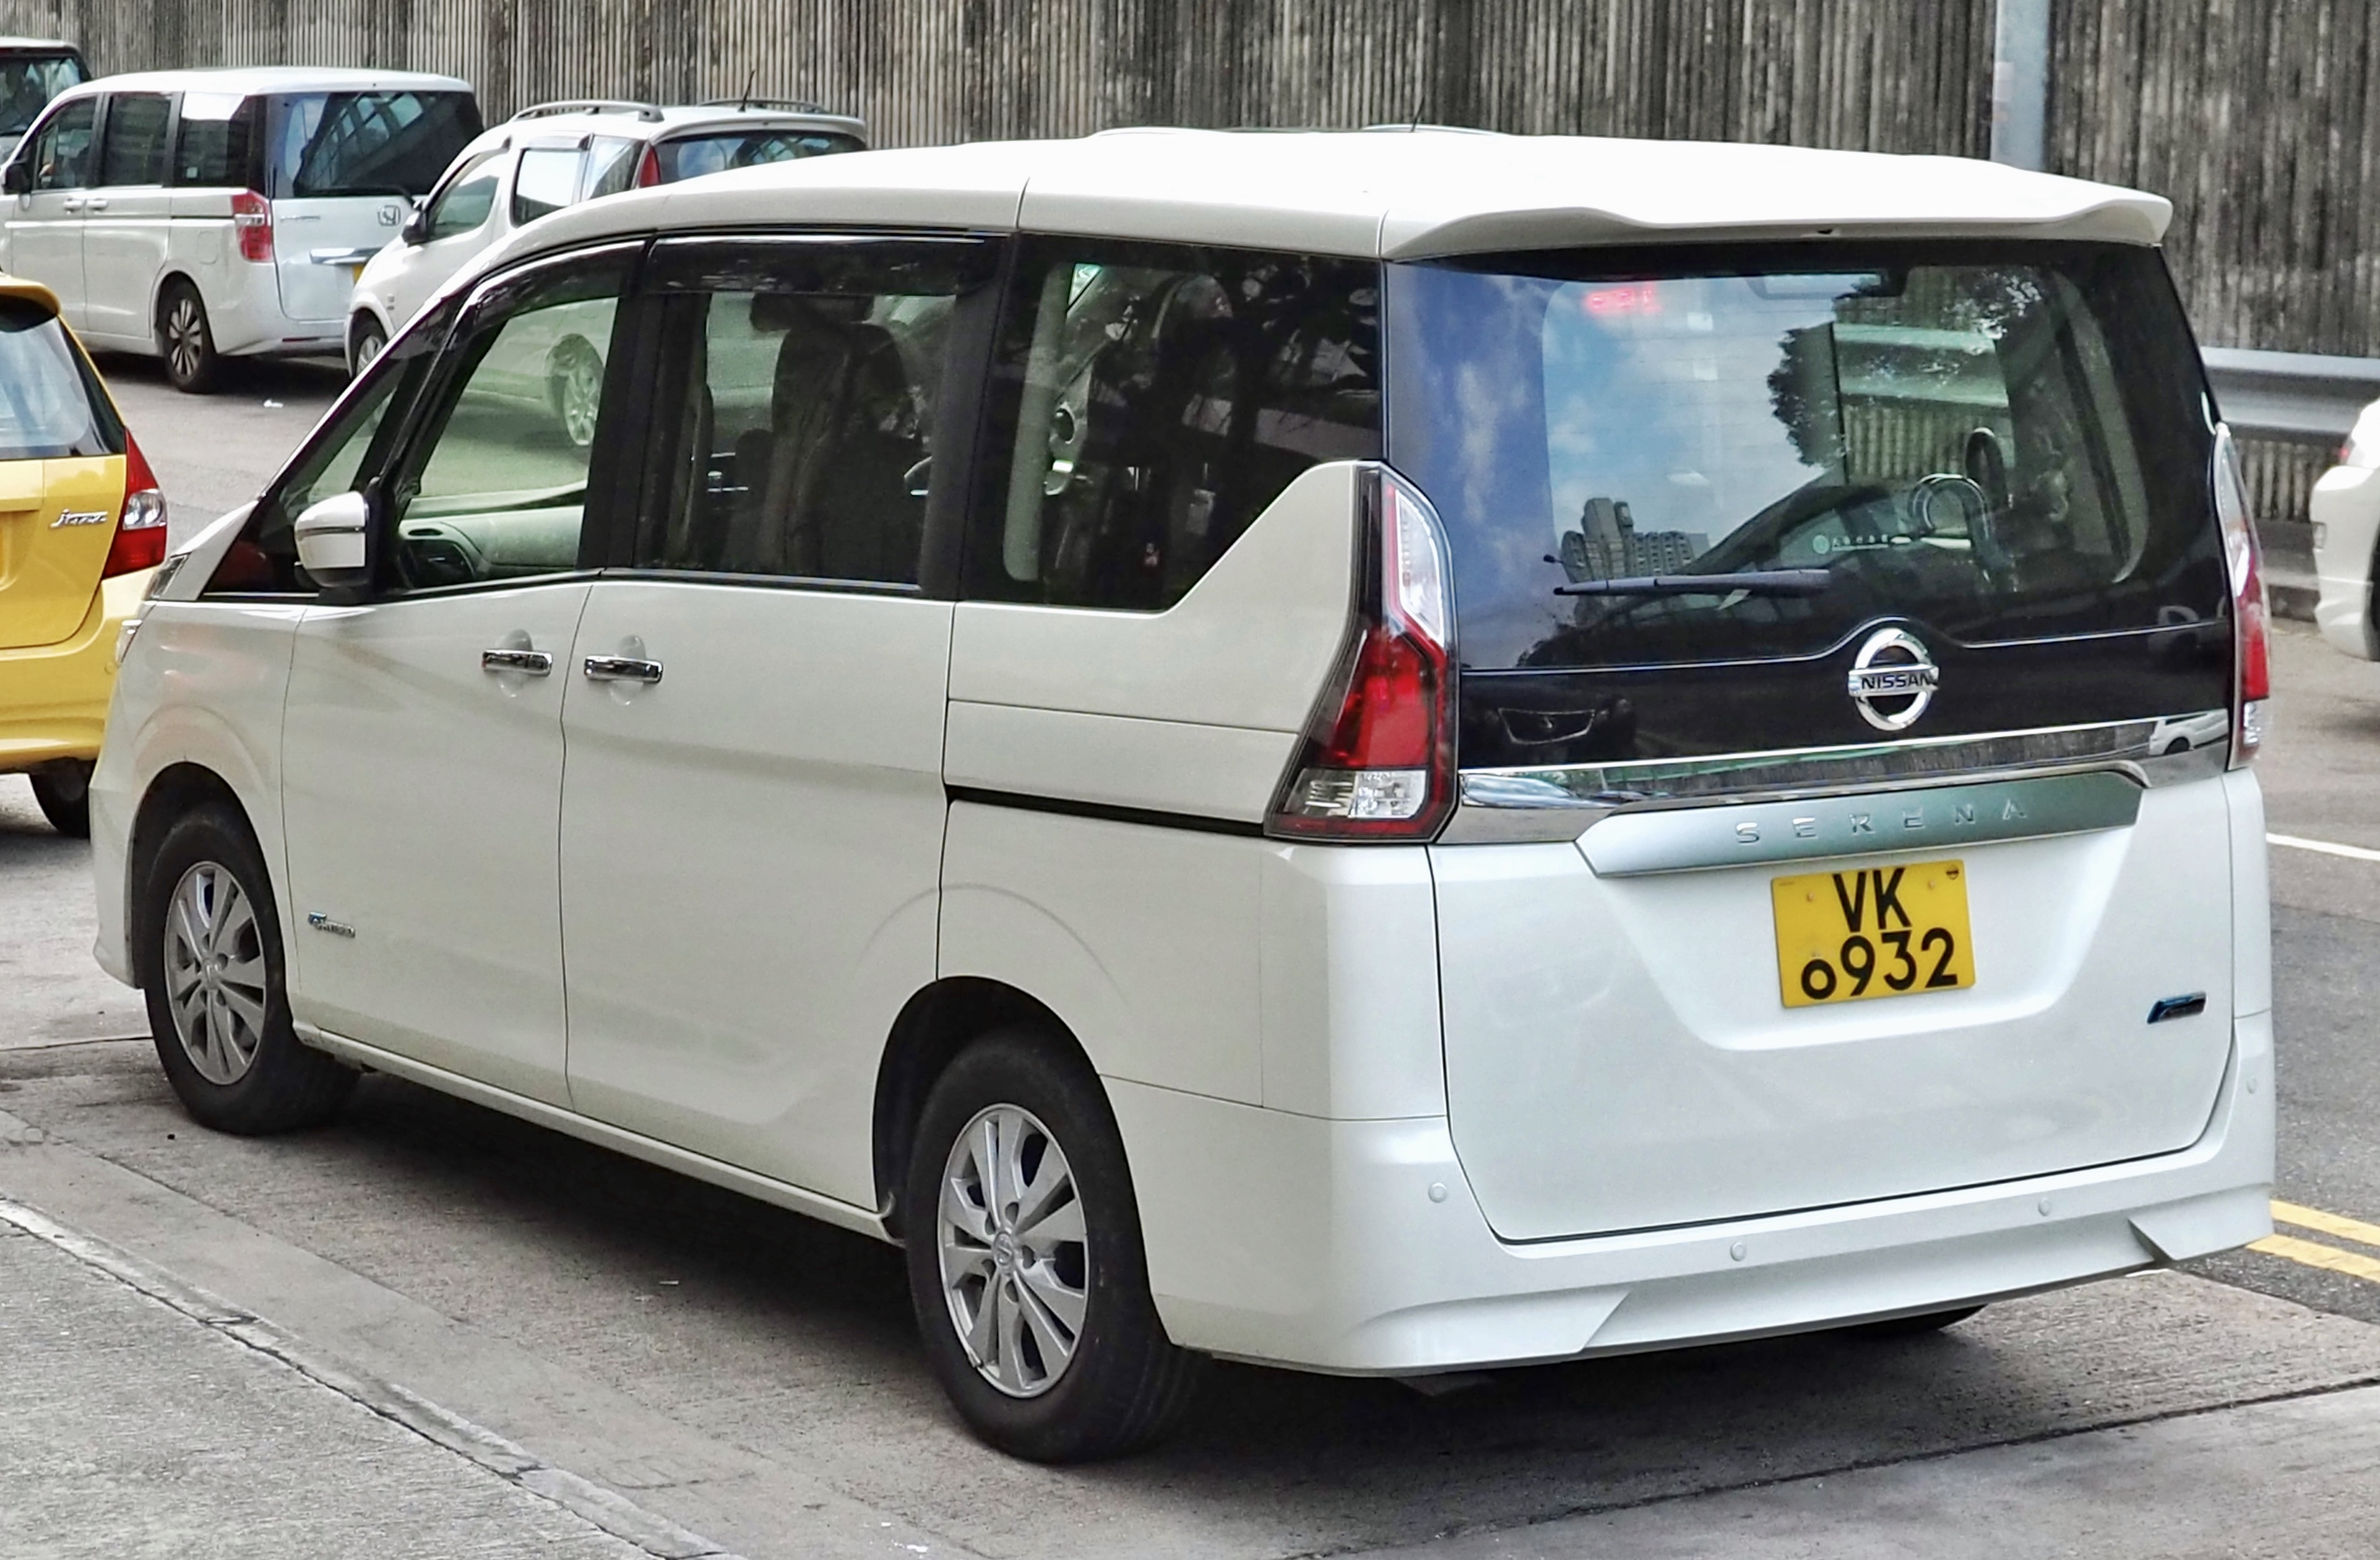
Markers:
<point>1943,817</point>
<point>1561,802</point>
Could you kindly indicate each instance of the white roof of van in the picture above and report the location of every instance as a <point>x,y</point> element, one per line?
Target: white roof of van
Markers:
<point>271,78</point>
<point>51,45</point>
<point>1393,193</point>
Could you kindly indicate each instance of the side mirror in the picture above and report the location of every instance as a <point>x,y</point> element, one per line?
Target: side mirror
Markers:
<point>333,541</point>
<point>16,178</point>
<point>417,223</point>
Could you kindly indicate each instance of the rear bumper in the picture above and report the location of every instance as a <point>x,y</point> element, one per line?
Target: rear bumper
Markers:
<point>1357,1248</point>
<point>53,697</point>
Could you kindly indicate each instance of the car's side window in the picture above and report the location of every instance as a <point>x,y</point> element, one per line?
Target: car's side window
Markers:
<point>493,487</point>
<point>810,374</point>
<point>351,448</point>
<point>216,143</point>
<point>548,180</point>
<point>463,206</point>
<point>611,165</point>
<point>1148,401</point>
<point>133,152</point>
<point>62,150</point>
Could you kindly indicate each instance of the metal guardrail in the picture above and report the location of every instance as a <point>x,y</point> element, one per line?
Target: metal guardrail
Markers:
<point>2294,397</point>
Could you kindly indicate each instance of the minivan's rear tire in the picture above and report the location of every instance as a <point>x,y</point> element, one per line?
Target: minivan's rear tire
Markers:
<point>209,952</point>
<point>1025,1259</point>
<point>186,339</point>
<point>366,341</point>
<point>63,792</point>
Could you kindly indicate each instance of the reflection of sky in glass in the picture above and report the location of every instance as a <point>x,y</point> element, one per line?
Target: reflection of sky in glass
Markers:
<point>1657,395</point>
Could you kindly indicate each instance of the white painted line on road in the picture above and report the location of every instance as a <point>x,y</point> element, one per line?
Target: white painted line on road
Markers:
<point>591,1502</point>
<point>2352,852</point>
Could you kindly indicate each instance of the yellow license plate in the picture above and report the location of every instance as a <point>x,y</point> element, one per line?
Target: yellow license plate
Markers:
<point>1872,931</point>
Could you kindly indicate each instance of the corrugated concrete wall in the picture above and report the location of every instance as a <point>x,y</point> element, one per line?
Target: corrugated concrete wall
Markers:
<point>2256,116</point>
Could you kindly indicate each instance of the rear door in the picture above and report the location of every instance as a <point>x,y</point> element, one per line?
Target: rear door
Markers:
<point>346,168</point>
<point>45,224</point>
<point>1894,860</point>
<point>61,478</point>
<point>127,220</point>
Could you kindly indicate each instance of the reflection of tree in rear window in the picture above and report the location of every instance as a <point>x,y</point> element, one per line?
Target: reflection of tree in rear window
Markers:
<point>696,155</point>
<point>368,143</point>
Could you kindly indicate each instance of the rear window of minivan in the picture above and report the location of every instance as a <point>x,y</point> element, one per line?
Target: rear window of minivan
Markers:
<point>322,144</point>
<point>2007,440</point>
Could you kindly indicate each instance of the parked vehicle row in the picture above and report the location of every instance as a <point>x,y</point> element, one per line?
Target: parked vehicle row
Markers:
<point>204,214</point>
<point>1384,752</point>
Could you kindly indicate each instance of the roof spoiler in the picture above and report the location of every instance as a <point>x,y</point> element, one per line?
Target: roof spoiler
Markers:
<point>788,105</point>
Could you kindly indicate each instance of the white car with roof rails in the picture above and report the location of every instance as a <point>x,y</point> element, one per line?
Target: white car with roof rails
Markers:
<point>556,154</point>
<point>1378,752</point>
<point>204,215</point>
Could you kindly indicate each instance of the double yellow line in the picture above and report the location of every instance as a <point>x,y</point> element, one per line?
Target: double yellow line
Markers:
<point>2314,1254</point>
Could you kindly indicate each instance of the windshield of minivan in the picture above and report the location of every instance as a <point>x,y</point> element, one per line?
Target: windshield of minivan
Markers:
<point>2005,441</point>
<point>365,143</point>
<point>28,82</point>
<point>49,406</point>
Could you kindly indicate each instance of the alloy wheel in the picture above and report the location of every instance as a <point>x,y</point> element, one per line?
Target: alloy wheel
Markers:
<point>1016,1261</point>
<point>580,397</point>
<point>215,977</point>
<point>186,336</point>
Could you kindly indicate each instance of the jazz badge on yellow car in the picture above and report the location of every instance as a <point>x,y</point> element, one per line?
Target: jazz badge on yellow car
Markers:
<point>1874,931</point>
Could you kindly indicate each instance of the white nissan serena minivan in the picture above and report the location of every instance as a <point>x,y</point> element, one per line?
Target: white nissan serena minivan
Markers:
<point>1382,753</point>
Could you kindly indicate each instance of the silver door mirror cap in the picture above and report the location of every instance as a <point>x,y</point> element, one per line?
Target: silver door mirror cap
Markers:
<point>332,536</point>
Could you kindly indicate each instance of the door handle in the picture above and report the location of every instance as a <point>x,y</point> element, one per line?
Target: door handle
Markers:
<point>622,668</point>
<point>535,663</point>
<point>71,208</point>
<point>94,205</point>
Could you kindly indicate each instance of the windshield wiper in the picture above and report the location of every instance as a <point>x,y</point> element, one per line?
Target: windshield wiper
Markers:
<point>1756,581</point>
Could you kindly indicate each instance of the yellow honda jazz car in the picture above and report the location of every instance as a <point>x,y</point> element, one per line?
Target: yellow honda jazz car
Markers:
<point>82,529</point>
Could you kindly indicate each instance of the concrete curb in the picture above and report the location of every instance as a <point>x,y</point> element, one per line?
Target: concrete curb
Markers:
<point>605,1509</point>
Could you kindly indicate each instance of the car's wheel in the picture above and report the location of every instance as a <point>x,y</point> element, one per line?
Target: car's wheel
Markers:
<point>1912,1326</point>
<point>1025,1259</point>
<point>575,385</point>
<point>366,341</point>
<point>62,792</point>
<point>212,966</point>
<point>185,339</point>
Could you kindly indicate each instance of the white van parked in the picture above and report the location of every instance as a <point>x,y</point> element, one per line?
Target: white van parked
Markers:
<point>201,214</point>
<point>556,154</point>
<point>1382,752</point>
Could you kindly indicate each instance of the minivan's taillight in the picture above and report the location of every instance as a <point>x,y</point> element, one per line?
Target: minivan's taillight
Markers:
<point>1378,758</point>
<point>141,529</point>
<point>252,218</point>
<point>2251,629</point>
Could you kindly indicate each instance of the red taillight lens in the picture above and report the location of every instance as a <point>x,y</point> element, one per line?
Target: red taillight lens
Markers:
<point>2252,626</point>
<point>648,169</point>
<point>141,529</point>
<point>1378,761</point>
<point>252,218</point>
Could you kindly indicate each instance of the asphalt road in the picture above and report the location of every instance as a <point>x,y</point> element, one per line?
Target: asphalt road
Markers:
<point>717,1368</point>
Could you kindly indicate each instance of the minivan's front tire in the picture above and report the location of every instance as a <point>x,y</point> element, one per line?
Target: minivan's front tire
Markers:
<point>1025,1259</point>
<point>63,792</point>
<point>186,339</point>
<point>212,966</point>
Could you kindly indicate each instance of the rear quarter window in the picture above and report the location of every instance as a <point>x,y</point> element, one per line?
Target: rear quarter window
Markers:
<point>216,147</point>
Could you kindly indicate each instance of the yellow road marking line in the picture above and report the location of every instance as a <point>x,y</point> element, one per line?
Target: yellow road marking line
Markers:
<point>2329,1224</point>
<point>2352,852</point>
<point>2310,1254</point>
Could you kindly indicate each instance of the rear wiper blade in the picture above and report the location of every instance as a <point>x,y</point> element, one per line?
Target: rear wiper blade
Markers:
<point>1756,581</point>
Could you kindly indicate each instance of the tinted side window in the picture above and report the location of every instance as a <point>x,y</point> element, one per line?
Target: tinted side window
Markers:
<point>366,144</point>
<point>495,485</point>
<point>216,147</point>
<point>133,151</point>
<point>1151,399</point>
<point>811,375</point>
<point>350,448</point>
<point>62,152</point>
<point>548,180</point>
